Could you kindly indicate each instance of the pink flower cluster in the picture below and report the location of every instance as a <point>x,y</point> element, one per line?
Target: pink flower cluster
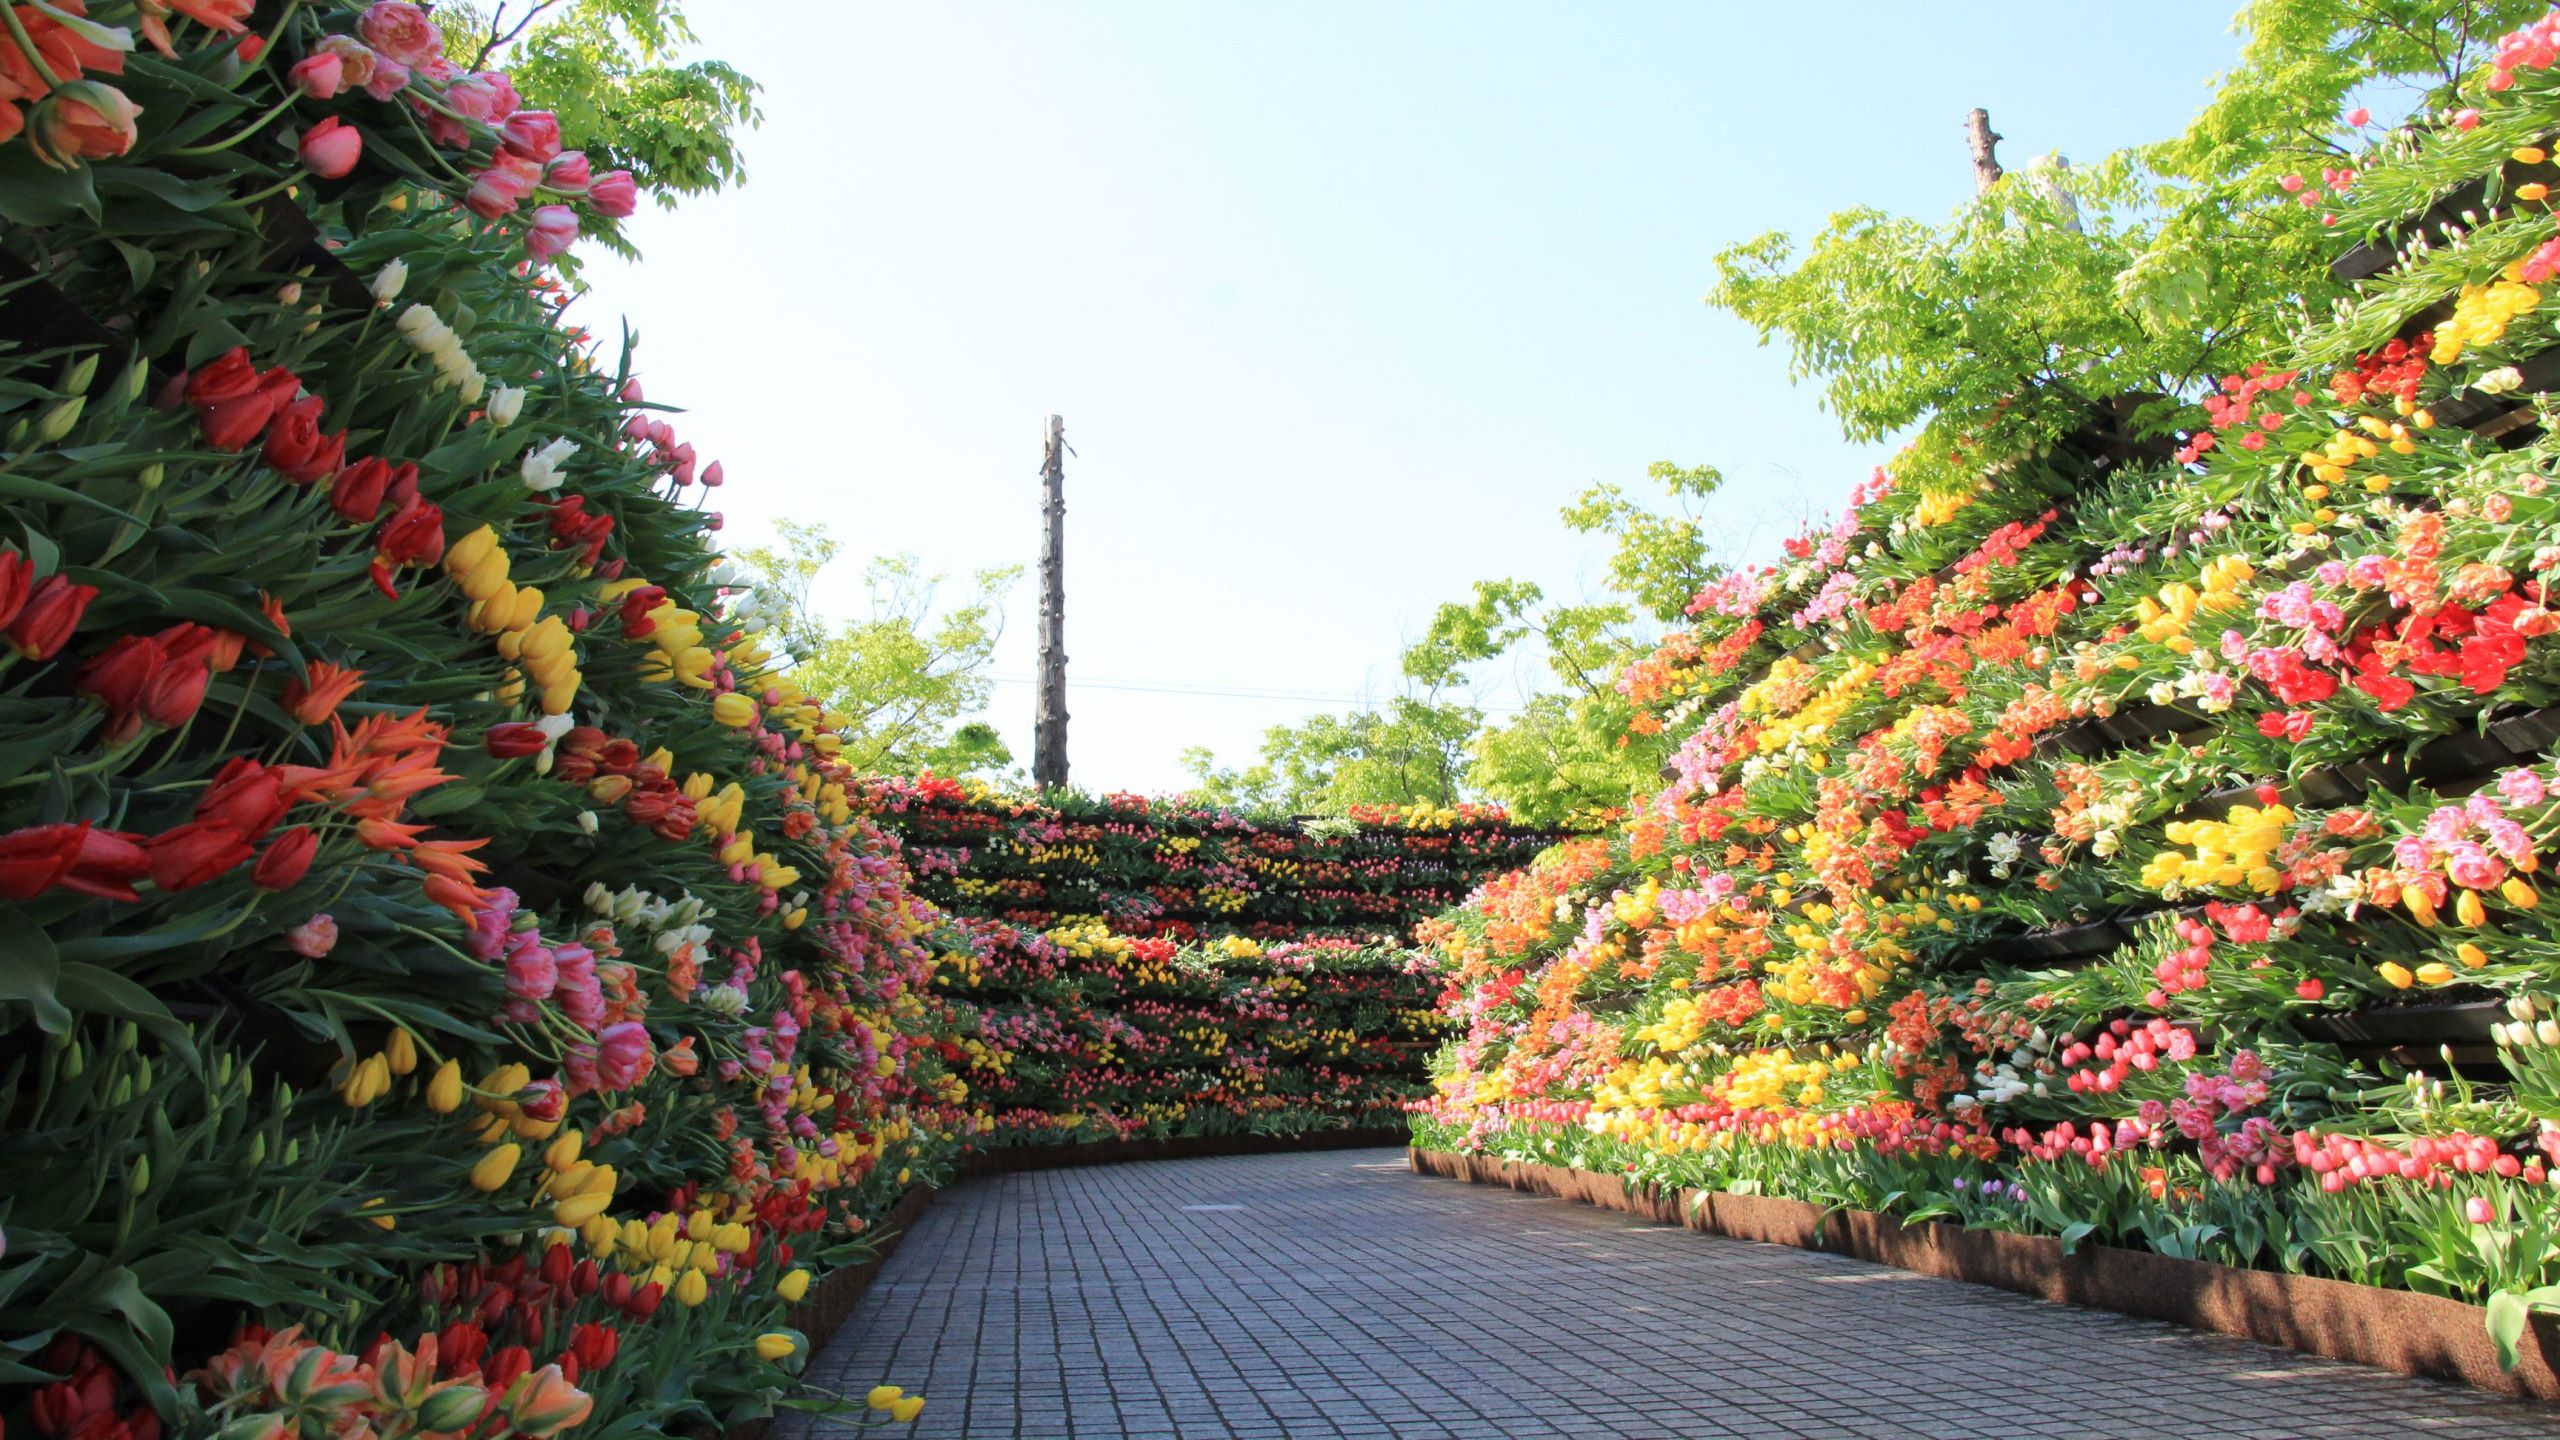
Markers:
<point>2344,1160</point>
<point>665,451</point>
<point>397,49</point>
<point>2535,47</point>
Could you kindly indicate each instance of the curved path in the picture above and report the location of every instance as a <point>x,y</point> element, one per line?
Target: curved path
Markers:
<point>1334,1294</point>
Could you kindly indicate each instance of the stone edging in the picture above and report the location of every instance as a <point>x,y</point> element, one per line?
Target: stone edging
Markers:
<point>2397,1330</point>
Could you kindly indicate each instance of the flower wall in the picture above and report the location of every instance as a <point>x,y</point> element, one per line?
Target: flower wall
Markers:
<point>2142,843</point>
<point>448,987</point>
<point>1148,968</point>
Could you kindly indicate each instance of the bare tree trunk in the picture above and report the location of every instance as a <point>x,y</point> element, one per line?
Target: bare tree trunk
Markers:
<point>1049,727</point>
<point>1986,166</point>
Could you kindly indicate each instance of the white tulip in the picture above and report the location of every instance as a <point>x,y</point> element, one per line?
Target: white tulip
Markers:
<point>388,280</point>
<point>505,405</point>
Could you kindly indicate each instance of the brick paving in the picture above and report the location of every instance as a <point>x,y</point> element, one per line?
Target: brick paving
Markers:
<point>1334,1296</point>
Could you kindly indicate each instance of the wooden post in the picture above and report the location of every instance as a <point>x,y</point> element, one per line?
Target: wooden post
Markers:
<point>1049,727</point>
<point>1986,166</point>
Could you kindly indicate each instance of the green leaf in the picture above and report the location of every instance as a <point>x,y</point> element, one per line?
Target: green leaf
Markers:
<point>30,971</point>
<point>2074,1233</point>
<point>34,193</point>
<point>104,992</point>
<point>2507,1315</point>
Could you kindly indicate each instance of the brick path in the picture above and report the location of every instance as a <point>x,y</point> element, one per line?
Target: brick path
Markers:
<point>1333,1295</point>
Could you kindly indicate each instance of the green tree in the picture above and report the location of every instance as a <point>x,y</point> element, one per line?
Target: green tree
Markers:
<point>903,676</point>
<point>618,75</point>
<point>1411,751</point>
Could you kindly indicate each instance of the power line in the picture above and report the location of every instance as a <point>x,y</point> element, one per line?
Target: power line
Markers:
<point>1150,687</point>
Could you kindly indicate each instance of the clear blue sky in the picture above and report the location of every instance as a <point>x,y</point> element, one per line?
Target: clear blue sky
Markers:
<point>1340,301</point>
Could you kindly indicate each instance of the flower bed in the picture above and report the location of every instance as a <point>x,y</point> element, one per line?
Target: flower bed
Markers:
<point>448,986</point>
<point>2135,844</point>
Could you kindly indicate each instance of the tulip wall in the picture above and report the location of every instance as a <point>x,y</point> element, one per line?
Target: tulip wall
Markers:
<point>1146,969</point>
<point>2128,842</point>
<point>447,985</point>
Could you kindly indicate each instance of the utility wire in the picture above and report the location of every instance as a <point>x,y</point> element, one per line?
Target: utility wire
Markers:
<point>1147,687</point>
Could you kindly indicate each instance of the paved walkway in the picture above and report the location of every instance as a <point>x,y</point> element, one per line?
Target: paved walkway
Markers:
<point>1334,1295</point>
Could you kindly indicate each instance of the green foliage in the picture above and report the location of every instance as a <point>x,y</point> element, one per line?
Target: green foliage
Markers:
<point>615,72</point>
<point>1412,752</point>
<point>902,677</point>
<point>2232,248</point>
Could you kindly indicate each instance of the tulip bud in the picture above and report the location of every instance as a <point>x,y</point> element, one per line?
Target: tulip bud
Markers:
<point>58,419</point>
<point>882,1396</point>
<point>450,1409</point>
<point>775,1345</point>
<point>444,1092</point>
<point>495,1167</point>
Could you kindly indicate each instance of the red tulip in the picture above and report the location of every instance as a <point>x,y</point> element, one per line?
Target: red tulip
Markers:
<point>246,796</point>
<point>288,857</point>
<point>295,447</point>
<point>533,134</point>
<point>51,613</point>
<point>116,678</point>
<point>515,739</point>
<point>194,853</point>
<point>318,76</point>
<point>232,424</point>
<point>15,576</point>
<point>228,377</point>
<point>36,859</point>
<point>357,492</point>
<point>108,864</point>
<point>615,194</point>
<point>415,536</point>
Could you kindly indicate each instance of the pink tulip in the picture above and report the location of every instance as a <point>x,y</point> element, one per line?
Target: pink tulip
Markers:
<point>615,194</point>
<point>2478,1210</point>
<point>331,148</point>
<point>401,31</point>
<point>533,134</point>
<point>313,938</point>
<point>318,76</point>
<point>554,230</point>
<point>498,190</point>
<point>2359,115</point>
<point>624,1055</point>
<point>390,77</point>
<point>568,173</point>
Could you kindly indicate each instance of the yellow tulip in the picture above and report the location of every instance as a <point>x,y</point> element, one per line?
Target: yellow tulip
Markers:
<point>883,1396</point>
<point>495,1167</point>
<point>2471,956</point>
<point>2519,894</point>
<point>692,1289</point>
<point>734,710</point>
<point>464,555</point>
<point>907,1409</point>
<point>528,606</point>
<point>2397,974</point>
<point>402,1052</point>
<point>775,1346</point>
<point>563,1152</point>
<point>2435,972</point>
<point>2468,910</point>
<point>444,1091</point>
<point>792,1286</point>
<point>486,577</point>
<point>579,1209</point>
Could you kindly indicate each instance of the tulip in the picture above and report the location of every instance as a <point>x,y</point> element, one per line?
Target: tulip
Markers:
<point>52,611</point>
<point>733,710</point>
<point>906,1408</point>
<point>498,190</point>
<point>515,739</point>
<point>245,795</point>
<point>544,1403</point>
<point>401,1050</point>
<point>331,148</point>
<point>532,134</point>
<point>444,1090</point>
<point>231,424</point>
<point>115,678</point>
<point>692,1289</point>
<point>194,853</point>
<point>792,1286</point>
<point>616,195</point>
<point>554,230</point>
<point>314,700</point>
<point>82,120</point>
<point>774,1345</point>
<point>108,864</point>
<point>35,859</point>
<point>2478,1210</point>
<point>415,536</point>
<point>288,857</point>
<point>495,1167</point>
<point>16,575</point>
<point>568,173</point>
<point>318,76</point>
